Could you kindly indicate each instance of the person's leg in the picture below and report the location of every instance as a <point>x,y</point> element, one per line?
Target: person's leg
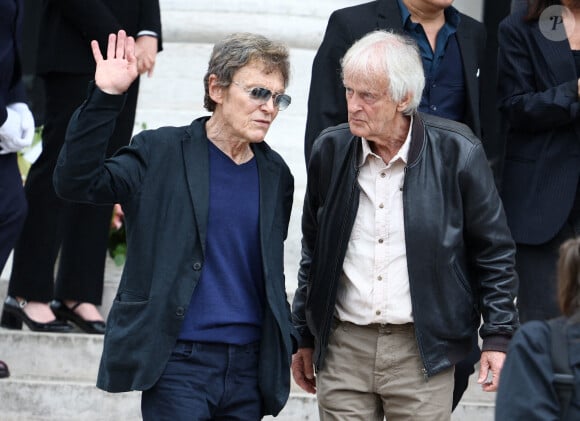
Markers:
<point>190,387</point>
<point>12,205</point>
<point>37,248</point>
<point>242,400</point>
<point>81,268</point>
<point>536,268</point>
<point>463,371</point>
<point>345,382</point>
<point>535,265</point>
<point>406,393</point>
<point>85,231</point>
<point>206,382</point>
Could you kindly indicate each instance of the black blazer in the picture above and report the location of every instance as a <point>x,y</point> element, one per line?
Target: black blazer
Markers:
<point>538,97</point>
<point>326,101</point>
<point>162,181</point>
<point>68,26</point>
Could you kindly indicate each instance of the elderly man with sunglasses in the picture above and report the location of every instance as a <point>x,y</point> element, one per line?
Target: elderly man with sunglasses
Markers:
<point>201,322</point>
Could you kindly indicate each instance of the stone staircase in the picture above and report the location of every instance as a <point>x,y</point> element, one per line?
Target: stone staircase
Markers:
<point>53,378</point>
<point>53,375</point>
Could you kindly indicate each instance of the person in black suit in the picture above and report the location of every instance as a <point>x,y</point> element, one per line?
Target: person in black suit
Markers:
<point>538,91</point>
<point>452,72</point>
<point>201,321</point>
<point>76,233</point>
<point>452,47</point>
<point>16,132</point>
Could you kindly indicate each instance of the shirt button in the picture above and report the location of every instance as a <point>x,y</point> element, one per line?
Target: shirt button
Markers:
<point>180,311</point>
<point>381,241</point>
<point>383,175</point>
<point>379,278</point>
<point>196,266</point>
<point>378,312</point>
<point>381,206</point>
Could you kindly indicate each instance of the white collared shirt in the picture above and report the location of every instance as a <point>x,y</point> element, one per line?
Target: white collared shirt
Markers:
<point>374,286</point>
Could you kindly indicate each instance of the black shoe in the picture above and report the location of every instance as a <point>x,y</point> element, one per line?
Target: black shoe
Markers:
<point>13,315</point>
<point>4,372</point>
<point>60,309</point>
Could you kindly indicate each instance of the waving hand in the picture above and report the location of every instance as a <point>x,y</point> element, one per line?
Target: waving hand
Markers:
<point>115,73</point>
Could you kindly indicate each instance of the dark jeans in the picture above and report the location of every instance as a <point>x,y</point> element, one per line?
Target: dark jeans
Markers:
<point>206,382</point>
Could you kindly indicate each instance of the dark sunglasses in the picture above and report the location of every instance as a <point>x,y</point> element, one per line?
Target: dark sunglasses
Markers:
<point>263,95</point>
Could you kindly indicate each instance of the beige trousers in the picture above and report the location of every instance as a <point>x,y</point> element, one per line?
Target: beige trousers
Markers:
<point>372,372</point>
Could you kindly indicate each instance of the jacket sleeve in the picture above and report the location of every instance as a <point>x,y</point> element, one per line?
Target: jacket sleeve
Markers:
<point>150,19</point>
<point>82,173</point>
<point>525,105</point>
<point>326,99</point>
<point>491,251</point>
<point>312,203</point>
<point>526,391</point>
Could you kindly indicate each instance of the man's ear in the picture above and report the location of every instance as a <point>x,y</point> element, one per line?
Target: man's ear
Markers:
<point>215,90</point>
<point>404,103</point>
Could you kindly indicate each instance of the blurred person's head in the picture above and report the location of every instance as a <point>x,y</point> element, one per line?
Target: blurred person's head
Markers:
<point>569,277</point>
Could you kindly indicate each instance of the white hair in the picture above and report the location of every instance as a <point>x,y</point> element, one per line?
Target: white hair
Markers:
<point>382,56</point>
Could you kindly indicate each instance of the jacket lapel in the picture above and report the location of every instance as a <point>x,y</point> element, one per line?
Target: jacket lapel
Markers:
<point>269,174</point>
<point>558,58</point>
<point>389,16</point>
<point>195,159</point>
<point>469,59</point>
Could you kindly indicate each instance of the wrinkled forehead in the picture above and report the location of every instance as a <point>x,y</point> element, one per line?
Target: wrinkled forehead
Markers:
<point>259,72</point>
<point>365,81</point>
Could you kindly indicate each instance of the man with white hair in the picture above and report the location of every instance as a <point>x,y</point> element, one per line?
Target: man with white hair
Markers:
<point>405,246</point>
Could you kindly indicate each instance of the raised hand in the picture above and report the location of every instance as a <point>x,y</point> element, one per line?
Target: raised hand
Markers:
<point>115,74</point>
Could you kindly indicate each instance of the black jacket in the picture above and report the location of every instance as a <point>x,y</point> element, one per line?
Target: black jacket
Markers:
<point>68,26</point>
<point>538,97</point>
<point>527,390</point>
<point>460,253</point>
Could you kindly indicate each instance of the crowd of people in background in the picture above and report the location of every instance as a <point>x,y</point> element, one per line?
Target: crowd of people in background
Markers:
<point>424,245</point>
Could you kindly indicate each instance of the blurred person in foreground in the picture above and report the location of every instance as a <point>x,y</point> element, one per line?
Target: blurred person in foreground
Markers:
<point>538,92</point>
<point>527,390</point>
<point>16,132</point>
<point>201,321</point>
<point>405,247</point>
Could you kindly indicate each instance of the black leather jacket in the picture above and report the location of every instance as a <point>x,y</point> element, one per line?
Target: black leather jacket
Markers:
<point>460,253</point>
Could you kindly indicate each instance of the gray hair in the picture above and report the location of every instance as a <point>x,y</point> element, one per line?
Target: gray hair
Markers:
<point>238,50</point>
<point>394,57</point>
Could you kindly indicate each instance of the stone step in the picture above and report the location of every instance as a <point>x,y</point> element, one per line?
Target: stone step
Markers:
<point>47,400</point>
<point>36,400</point>
<point>59,371</point>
